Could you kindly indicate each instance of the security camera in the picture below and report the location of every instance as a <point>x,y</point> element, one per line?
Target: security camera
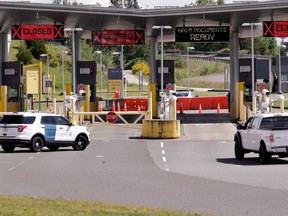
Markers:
<point>265,92</point>
<point>82,93</point>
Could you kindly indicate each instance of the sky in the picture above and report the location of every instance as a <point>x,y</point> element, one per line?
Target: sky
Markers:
<point>144,4</point>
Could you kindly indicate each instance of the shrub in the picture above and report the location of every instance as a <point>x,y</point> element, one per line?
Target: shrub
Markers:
<point>141,66</point>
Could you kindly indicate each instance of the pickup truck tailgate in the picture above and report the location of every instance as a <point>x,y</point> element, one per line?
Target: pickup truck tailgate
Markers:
<point>280,138</point>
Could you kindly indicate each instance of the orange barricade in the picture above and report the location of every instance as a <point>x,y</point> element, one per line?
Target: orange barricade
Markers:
<point>134,103</point>
<point>221,100</point>
<point>206,103</point>
<point>185,102</point>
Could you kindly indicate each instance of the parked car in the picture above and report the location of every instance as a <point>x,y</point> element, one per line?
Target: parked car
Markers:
<point>36,130</point>
<point>185,93</point>
<point>265,134</point>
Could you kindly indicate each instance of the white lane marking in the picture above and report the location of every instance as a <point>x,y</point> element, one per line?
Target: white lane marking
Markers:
<point>12,168</point>
<point>164,158</point>
<point>30,158</point>
<point>99,156</point>
<point>23,162</point>
<point>38,153</point>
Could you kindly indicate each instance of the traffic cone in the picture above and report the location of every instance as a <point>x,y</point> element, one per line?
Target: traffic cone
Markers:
<point>218,108</point>
<point>113,106</point>
<point>181,109</point>
<point>125,107</point>
<point>200,109</point>
<point>118,107</point>
<point>100,108</point>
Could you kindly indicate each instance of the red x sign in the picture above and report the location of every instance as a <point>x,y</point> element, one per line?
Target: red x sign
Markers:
<point>37,32</point>
<point>275,29</point>
<point>118,37</point>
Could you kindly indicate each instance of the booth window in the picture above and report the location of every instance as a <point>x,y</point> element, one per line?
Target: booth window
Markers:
<point>12,93</point>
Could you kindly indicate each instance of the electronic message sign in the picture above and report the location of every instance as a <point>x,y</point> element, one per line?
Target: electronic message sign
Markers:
<point>37,32</point>
<point>275,29</point>
<point>118,37</point>
<point>202,34</point>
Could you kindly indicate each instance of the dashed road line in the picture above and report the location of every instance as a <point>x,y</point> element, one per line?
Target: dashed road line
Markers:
<point>23,162</point>
<point>11,168</point>
<point>164,157</point>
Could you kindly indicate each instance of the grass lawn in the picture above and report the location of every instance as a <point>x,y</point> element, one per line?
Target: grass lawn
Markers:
<point>25,206</point>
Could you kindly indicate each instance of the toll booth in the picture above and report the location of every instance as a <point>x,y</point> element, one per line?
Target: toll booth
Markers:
<point>11,77</point>
<point>262,75</point>
<point>168,76</point>
<point>86,75</point>
<point>284,73</point>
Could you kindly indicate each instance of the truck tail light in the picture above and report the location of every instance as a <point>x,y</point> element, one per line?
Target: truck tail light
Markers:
<point>21,128</point>
<point>271,137</point>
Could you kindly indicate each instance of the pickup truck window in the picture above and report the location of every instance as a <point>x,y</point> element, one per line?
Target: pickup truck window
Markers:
<point>277,122</point>
<point>248,123</point>
<point>254,122</point>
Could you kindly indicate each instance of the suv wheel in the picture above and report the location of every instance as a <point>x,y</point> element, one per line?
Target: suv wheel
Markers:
<point>37,144</point>
<point>264,156</point>
<point>80,143</point>
<point>8,147</point>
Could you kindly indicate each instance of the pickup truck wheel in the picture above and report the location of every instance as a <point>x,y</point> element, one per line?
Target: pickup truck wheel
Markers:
<point>37,144</point>
<point>264,156</point>
<point>238,150</point>
<point>8,147</point>
<point>80,143</point>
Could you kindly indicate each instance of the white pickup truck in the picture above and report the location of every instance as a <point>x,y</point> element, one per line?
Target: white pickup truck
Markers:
<point>266,134</point>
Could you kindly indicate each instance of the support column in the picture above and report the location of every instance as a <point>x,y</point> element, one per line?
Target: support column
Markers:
<point>234,67</point>
<point>4,53</point>
<point>77,39</point>
<point>78,35</point>
<point>153,48</point>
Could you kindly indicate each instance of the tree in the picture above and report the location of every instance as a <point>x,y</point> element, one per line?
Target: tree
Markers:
<point>127,4</point>
<point>205,2</point>
<point>57,2</point>
<point>24,55</point>
<point>36,47</point>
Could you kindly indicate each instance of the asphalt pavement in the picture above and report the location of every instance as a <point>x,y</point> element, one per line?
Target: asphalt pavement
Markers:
<point>195,173</point>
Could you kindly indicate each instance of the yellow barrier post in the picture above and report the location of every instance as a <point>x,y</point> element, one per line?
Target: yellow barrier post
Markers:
<point>282,104</point>
<point>3,102</point>
<point>152,88</point>
<point>240,87</point>
<point>54,105</point>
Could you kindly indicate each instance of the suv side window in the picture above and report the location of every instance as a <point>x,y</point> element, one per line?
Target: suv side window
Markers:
<point>28,120</point>
<point>48,120</point>
<point>61,121</point>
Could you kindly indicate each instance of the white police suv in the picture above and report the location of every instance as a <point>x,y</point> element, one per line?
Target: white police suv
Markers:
<point>36,130</point>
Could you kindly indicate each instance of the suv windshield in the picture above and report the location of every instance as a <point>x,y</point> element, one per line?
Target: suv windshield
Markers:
<point>17,119</point>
